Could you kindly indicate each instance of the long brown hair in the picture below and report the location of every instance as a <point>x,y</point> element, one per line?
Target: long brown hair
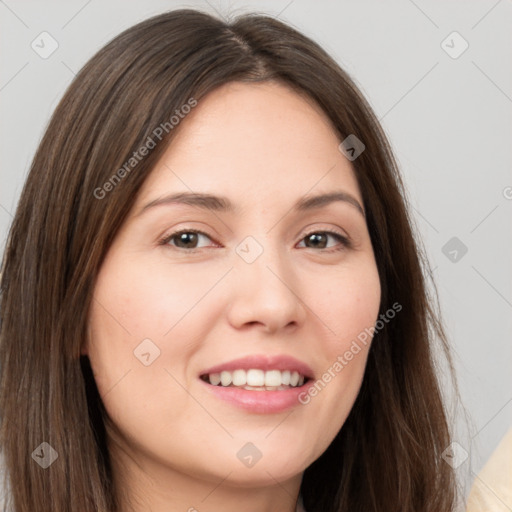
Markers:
<point>386,457</point>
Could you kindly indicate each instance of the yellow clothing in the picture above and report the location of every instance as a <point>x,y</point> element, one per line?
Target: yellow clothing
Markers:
<point>492,488</point>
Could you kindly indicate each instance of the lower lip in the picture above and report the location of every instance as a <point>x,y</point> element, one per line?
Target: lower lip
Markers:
<point>262,402</point>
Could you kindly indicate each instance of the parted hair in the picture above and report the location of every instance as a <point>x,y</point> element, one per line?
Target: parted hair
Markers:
<point>387,455</point>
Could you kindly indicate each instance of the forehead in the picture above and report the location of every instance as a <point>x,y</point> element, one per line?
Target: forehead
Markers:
<point>253,142</point>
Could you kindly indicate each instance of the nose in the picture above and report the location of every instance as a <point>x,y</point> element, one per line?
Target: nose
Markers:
<point>266,293</point>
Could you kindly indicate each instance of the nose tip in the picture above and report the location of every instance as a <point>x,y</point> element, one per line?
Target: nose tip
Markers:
<point>264,293</point>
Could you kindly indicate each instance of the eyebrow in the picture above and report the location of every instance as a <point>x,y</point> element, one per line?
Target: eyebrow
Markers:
<point>223,204</point>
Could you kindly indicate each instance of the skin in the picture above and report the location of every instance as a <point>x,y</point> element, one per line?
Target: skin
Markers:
<point>174,445</point>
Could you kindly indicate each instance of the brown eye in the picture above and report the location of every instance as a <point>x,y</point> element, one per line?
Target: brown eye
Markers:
<point>319,240</point>
<point>185,239</point>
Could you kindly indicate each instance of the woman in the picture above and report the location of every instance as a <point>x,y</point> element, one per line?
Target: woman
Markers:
<point>212,297</point>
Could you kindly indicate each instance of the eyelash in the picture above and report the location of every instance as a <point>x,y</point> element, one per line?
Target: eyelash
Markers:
<point>345,242</point>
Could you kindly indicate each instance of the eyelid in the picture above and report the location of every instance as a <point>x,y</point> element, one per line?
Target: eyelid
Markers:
<point>342,237</point>
<point>167,237</point>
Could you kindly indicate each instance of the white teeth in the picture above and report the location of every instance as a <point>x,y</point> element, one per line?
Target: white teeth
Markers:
<point>215,378</point>
<point>225,378</point>
<point>239,378</point>
<point>257,380</point>
<point>273,378</point>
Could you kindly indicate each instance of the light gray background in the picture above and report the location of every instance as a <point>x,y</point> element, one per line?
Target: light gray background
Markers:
<point>448,120</point>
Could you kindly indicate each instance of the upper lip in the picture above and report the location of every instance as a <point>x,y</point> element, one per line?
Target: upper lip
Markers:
<point>263,362</point>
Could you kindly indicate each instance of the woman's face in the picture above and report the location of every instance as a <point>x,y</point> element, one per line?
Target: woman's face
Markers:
<point>272,285</point>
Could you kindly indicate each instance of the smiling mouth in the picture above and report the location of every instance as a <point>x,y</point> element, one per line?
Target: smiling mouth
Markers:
<point>256,379</point>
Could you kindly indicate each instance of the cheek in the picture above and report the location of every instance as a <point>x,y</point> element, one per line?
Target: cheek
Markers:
<point>147,301</point>
<point>347,301</point>
<point>138,299</point>
<point>143,330</point>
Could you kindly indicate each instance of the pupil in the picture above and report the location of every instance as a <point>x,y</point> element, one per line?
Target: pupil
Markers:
<point>315,237</point>
<point>190,236</point>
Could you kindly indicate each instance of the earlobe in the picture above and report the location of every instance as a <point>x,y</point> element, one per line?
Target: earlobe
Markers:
<point>84,348</point>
